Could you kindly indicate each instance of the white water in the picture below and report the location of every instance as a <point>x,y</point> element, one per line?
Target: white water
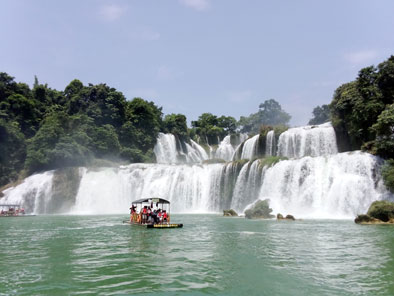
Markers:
<point>33,194</point>
<point>225,150</point>
<point>165,149</point>
<point>308,140</point>
<point>270,145</point>
<point>189,188</point>
<point>250,147</point>
<point>330,186</point>
<point>338,186</point>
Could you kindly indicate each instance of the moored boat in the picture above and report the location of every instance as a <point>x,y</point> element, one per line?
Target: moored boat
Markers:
<point>12,210</point>
<point>151,213</point>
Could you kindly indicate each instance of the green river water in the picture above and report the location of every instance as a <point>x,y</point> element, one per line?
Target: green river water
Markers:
<point>98,255</point>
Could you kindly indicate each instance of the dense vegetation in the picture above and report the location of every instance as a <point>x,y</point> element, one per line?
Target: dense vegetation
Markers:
<point>362,113</point>
<point>42,128</point>
<point>270,113</point>
<point>321,114</point>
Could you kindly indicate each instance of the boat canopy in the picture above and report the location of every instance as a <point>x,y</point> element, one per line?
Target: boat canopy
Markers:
<point>9,205</point>
<point>152,199</point>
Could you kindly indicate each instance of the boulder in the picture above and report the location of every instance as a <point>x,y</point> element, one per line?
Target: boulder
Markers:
<point>230,213</point>
<point>366,219</point>
<point>260,210</point>
<point>382,210</point>
<point>290,217</point>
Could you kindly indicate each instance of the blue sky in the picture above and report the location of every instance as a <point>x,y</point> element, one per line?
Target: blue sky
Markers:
<point>195,56</point>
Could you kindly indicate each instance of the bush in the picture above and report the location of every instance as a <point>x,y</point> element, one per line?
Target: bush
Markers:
<point>260,210</point>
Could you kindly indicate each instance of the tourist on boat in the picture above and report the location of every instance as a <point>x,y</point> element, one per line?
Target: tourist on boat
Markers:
<point>164,216</point>
<point>144,215</point>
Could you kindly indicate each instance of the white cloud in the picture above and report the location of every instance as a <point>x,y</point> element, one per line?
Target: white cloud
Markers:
<point>361,57</point>
<point>199,5</point>
<point>240,96</point>
<point>111,12</point>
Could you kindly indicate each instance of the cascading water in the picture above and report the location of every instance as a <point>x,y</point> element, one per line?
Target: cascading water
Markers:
<point>315,140</point>
<point>341,185</point>
<point>190,188</point>
<point>34,194</point>
<point>329,186</point>
<point>165,149</point>
<point>225,150</point>
<point>250,148</point>
<point>270,146</point>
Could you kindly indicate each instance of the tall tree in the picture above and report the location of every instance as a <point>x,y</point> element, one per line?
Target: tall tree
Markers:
<point>321,114</point>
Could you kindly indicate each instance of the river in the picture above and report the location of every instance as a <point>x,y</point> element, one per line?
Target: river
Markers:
<point>70,255</point>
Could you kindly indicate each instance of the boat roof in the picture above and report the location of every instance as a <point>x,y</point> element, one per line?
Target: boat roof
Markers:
<point>152,199</point>
<point>9,205</point>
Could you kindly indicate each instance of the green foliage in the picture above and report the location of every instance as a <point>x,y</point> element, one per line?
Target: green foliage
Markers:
<point>176,124</point>
<point>62,140</point>
<point>388,174</point>
<point>12,151</point>
<point>384,129</point>
<point>260,210</point>
<point>321,114</point>
<point>382,210</point>
<point>270,160</point>
<point>270,113</point>
<point>210,128</point>
<point>357,108</point>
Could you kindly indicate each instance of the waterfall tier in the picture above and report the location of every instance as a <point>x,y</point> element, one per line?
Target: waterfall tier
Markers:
<point>317,140</point>
<point>333,186</point>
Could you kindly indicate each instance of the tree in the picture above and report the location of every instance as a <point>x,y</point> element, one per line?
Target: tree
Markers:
<point>270,113</point>
<point>384,129</point>
<point>321,114</point>
<point>12,151</point>
<point>176,124</point>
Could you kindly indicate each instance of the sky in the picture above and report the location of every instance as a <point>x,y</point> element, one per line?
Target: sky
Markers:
<point>194,56</point>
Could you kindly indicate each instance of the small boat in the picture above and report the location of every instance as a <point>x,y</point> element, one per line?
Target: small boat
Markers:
<point>151,213</point>
<point>12,210</point>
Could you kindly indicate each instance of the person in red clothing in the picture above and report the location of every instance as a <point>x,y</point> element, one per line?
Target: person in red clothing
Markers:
<point>164,216</point>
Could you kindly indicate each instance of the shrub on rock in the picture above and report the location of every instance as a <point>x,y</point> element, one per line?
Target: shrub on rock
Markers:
<point>382,210</point>
<point>260,210</point>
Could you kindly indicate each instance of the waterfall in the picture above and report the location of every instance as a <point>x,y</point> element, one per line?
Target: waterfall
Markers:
<point>225,150</point>
<point>323,184</point>
<point>315,140</point>
<point>337,186</point>
<point>250,148</point>
<point>165,149</point>
<point>247,186</point>
<point>270,145</point>
<point>189,188</point>
<point>34,194</point>
<point>167,153</point>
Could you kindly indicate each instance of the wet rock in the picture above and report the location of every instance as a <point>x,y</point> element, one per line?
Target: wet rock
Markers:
<point>260,210</point>
<point>382,210</point>
<point>366,219</point>
<point>230,213</point>
<point>290,217</point>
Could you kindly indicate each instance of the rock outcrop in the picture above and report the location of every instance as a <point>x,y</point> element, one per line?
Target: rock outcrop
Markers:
<point>260,210</point>
<point>230,213</point>
<point>379,212</point>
